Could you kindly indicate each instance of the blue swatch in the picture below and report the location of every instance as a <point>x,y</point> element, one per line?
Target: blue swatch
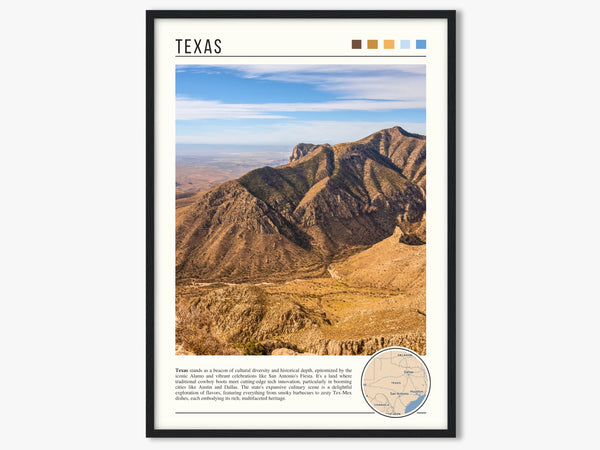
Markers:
<point>421,43</point>
<point>404,44</point>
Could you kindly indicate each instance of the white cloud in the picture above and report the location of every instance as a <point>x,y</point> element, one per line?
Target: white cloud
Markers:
<point>389,82</point>
<point>381,87</point>
<point>188,109</point>
<point>374,82</point>
<point>365,88</point>
<point>255,70</point>
<point>298,69</point>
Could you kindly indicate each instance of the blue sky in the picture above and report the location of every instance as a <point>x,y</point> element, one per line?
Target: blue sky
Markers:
<point>287,104</point>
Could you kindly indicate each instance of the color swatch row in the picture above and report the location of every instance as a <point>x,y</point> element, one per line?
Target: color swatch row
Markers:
<point>389,44</point>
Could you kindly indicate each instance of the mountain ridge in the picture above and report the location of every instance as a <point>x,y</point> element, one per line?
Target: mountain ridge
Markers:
<point>297,218</point>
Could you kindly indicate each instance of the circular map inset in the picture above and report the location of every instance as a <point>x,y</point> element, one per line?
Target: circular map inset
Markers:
<point>395,382</point>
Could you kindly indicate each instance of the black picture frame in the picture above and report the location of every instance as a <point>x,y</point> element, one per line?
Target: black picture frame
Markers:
<point>151,17</point>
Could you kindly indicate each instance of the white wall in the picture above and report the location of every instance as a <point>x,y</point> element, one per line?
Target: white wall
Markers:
<point>72,243</point>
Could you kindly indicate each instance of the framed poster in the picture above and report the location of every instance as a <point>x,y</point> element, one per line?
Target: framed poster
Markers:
<point>301,238</point>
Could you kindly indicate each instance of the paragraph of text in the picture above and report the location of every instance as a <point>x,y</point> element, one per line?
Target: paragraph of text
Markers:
<point>279,384</point>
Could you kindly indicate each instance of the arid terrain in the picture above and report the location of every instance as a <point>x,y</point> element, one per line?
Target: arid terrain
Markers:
<point>322,255</point>
<point>202,167</point>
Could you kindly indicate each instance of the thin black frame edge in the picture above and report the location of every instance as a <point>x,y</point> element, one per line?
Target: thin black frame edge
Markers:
<point>450,16</point>
<point>301,433</point>
<point>150,429</point>
<point>451,54</point>
<point>152,14</point>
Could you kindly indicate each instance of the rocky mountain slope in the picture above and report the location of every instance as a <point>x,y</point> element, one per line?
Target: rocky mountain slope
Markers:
<point>328,202</point>
<point>389,264</point>
<point>304,316</point>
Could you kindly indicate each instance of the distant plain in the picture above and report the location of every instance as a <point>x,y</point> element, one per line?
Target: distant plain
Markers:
<point>200,167</point>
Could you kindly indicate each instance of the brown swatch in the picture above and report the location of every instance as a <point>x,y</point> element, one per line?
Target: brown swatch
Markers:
<point>356,43</point>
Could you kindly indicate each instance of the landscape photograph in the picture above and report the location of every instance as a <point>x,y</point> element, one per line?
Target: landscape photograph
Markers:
<point>300,209</point>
